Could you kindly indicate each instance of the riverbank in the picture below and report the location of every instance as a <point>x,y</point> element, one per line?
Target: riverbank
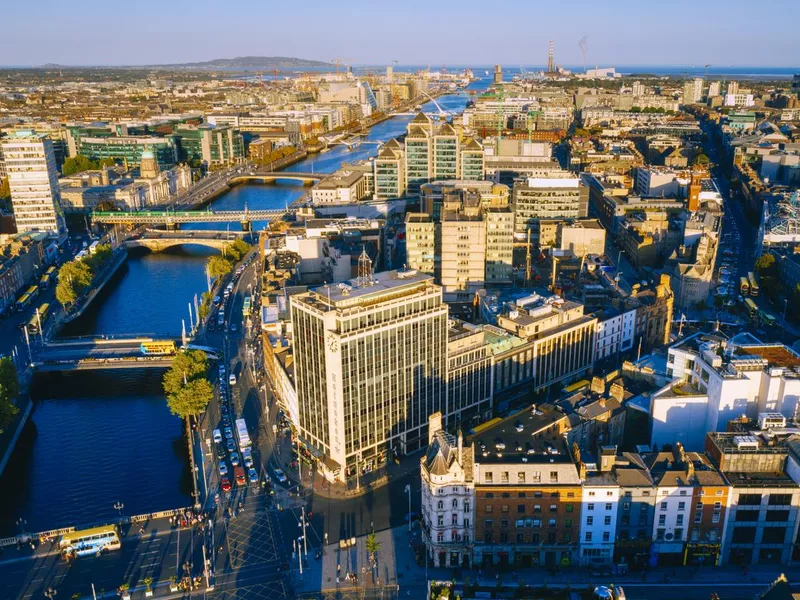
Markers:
<point>97,286</point>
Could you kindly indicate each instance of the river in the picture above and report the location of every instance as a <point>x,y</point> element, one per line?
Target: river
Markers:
<point>99,438</point>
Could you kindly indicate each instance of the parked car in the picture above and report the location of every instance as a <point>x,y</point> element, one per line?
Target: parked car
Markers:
<point>232,379</point>
<point>231,445</point>
<point>234,459</point>
<point>223,469</point>
<point>228,433</point>
<point>217,436</point>
<point>252,475</point>
<point>239,474</point>
<point>226,484</point>
<point>280,476</point>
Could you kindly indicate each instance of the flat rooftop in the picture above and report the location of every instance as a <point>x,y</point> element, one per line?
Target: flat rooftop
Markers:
<point>532,435</point>
<point>355,292</point>
<point>776,355</point>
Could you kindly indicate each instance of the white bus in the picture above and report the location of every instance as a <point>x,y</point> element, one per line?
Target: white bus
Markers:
<point>88,542</point>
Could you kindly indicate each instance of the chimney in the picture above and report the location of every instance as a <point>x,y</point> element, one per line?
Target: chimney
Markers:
<point>602,401</point>
<point>434,425</point>
<point>617,391</point>
<point>460,444</point>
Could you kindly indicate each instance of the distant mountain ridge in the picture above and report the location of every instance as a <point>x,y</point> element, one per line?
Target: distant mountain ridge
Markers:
<point>249,62</point>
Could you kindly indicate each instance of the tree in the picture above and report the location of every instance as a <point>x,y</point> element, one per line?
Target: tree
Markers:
<point>191,399</point>
<point>240,247</point>
<point>219,266</point>
<point>205,305</point>
<point>766,264</point>
<point>9,390</point>
<point>80,163</point>
<point>701,160</point>
<point>373,546</point>
<point>73,278</point>
<point>98,260</point>
<point>5,188</point>
<point>186,367</point>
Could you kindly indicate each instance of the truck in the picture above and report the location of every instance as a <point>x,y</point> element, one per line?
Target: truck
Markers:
<point>241,433</point>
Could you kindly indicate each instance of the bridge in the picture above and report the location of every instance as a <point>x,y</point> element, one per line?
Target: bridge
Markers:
<point>172,218</point>
<point>270,176</point>
<point>157,240</point>
<point>98,353</point>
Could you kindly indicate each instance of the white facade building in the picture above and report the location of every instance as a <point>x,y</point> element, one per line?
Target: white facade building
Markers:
<point>448,497</point>
<point>33,179</point>
<point>599,506</point>
<point>615,332</point>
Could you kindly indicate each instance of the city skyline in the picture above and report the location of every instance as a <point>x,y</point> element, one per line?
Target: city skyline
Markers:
<point>618,34</point>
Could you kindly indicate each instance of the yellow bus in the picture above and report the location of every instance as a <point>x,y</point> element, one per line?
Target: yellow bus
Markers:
<point>752,309</point>
<point>47,278</point>
<point>38,317</point>
<point>33,291</point>
<point>23,302</point>
<point>87,542</point>
<point>157,348</point>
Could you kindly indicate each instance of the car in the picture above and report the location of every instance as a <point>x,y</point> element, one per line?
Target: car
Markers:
<point>240,478</point>
<point>217,299</point>
<point>280,476</point>
<point>226,420</point>
<point>233,326</point>
<point>220,451</point>
<point>223,469</point>
<point>228,433</point>
<point>234,459</point>
<point>252,475</point>
<point>232,379</point>
<point>519,427</point>
<point>217,436</point>
<point>226,484</point>
<point>221,371</point>
<point>231,445</point>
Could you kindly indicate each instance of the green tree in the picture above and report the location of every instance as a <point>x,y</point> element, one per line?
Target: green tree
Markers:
<point>373,546</point>
<point>191,399</point>
<point>205,305</point>
<point>219,266</point>
<point>186,367</point>
<point>5,188</point>
<point>76,164</point>
<point>9,390</point>
<point>240,247</point>
<point>766,264</point>
<point>701,160</point>
<point>73,278</point>
<point>98,260</point>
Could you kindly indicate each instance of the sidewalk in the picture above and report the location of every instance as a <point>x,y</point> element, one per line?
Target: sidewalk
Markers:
<point>397,565</point>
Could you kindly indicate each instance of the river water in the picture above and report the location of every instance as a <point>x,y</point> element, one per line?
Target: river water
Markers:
<point>99,438</point>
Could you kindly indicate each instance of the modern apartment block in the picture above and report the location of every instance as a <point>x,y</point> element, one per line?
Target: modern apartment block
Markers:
<point>210,144</point>
<point>114,142</point>
<point>33,179</point>
<point>370,367</point>
<point>559,195</point>
<point>390,171</point>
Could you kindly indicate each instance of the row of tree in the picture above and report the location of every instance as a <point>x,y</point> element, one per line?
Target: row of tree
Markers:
<point>9,389</point>
<point>75,276</point>
<point>221,265</point>
<point>79,164</point>
<point>186,386</point>
<point>276,155</point>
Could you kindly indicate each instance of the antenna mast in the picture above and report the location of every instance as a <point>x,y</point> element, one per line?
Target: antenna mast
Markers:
<point>364,268</point>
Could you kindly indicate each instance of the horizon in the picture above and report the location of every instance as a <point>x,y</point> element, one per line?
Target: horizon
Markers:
<point>626,32</point>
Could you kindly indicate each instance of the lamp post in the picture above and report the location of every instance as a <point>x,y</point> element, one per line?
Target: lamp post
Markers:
<point>785,306</point>
<point>21,524</point>
<point>408,491</point>
<point>119,506</point>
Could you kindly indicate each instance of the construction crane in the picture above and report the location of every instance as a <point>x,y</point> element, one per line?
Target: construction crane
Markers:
<point>337,62</point>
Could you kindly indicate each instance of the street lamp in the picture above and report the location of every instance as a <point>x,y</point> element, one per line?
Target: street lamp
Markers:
<point>785,306</point>
<point>119,506</point>
<point>408,491</point>
<point>50,592</point>
<point>21,524</point>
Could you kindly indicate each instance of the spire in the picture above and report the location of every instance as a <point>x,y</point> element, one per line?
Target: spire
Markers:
<point>364,268</point>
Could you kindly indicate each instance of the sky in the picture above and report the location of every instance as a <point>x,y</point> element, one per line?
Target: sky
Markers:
<point>412,32</point>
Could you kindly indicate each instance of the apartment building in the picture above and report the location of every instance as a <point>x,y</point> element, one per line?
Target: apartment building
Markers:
<point>33,179</point>
<point>599,512</point>
<point>448,497</point>
<point>210,144</point>
<point>370,366</point>
<point>390,171</point>
<point>636,511</point>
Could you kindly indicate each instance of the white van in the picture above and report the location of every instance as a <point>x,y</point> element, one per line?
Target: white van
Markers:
<point>217,436</point>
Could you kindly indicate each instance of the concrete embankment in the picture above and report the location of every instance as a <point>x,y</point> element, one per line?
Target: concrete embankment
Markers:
<point>97,285</point>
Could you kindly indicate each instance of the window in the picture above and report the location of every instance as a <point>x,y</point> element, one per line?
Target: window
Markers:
<point>743,535</point>
<point>504,508</point>
<point>553,508</point>
<point>466,523</point>
<point>780,499</point>
<point>520,538</point>
<point>645,493</point>
<point>588,536</point>
<point>567,523</point>
<point>551,538</point>
<point>663,506</point>
<point>606,536</point>
<point>609,494</point>
<point>488,477</point>
<point>749,499</point>
<point>660,534</point>
<point>681,505</point>
<point>466,505</point>
<point>488,508</point>
<point>489,495</point>
<point>440,520</point>
<point>440,536</point>
<point>454,520</point>
<point>504,523</point>
<point>679,520</point>
<point>608,505</point>
<point>551,523</point>
<point>591,494</point>
<point>682,492</point>
<point>537,508</point>
<point>773,535</point>
<point>455,503</point>
<point>589,521</point>
<point>521,495</point>
<point>568,508</point>
<point>504,477</point>
<point>643,516</point>
<point>487,524</point>
<point>777,515</point>
<point>606,520</point>
<point>521,509</point>
<point>678,533</point>
<point>521,477</point>
<point>440,505</point>
<point>746,515</point>
<point>590,506</point>
<point>662,519</point>
<point>553,476</point>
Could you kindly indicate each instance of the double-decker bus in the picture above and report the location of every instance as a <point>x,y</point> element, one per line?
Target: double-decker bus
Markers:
<point>744,286</point>
<point>38,319</point>
<point>88,542</point>
<point>246,307</point>
<point>157,348</point>
<point>751,278</point>
<point>47,278</point>
<point>23,302</point>
<point>33,291</point>
<point>751,307</point>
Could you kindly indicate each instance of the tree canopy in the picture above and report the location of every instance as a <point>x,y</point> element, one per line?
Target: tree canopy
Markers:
<point>74,277</point>
<point>218,266</point>
<point>701,160</point>
<point>80,163</point>
<point>5,188</point>
<point>190,365</point>
<point>191,399</point>
<point>9,390</point>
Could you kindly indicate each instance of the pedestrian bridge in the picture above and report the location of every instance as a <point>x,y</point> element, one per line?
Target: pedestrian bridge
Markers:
<point>173,218</point>
<point>99,353</point>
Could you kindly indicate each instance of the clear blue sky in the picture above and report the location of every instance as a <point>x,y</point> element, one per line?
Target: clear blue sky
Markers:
<point>473,32</point>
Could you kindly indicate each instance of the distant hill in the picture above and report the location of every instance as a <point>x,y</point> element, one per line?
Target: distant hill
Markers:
<point>250,62</point>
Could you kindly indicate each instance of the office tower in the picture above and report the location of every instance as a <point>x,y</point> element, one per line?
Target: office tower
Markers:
<point>370,366</point>
<point>551,58</point>
<point>560,195</point>
<point>389,74</point>
<point>713,89</point>
<point>693,91</point>
<point>33,178</point>
<point>638,89</point>
<point>733,87</point>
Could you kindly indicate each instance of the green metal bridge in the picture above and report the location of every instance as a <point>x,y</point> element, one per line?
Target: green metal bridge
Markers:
<point>173,217</point>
